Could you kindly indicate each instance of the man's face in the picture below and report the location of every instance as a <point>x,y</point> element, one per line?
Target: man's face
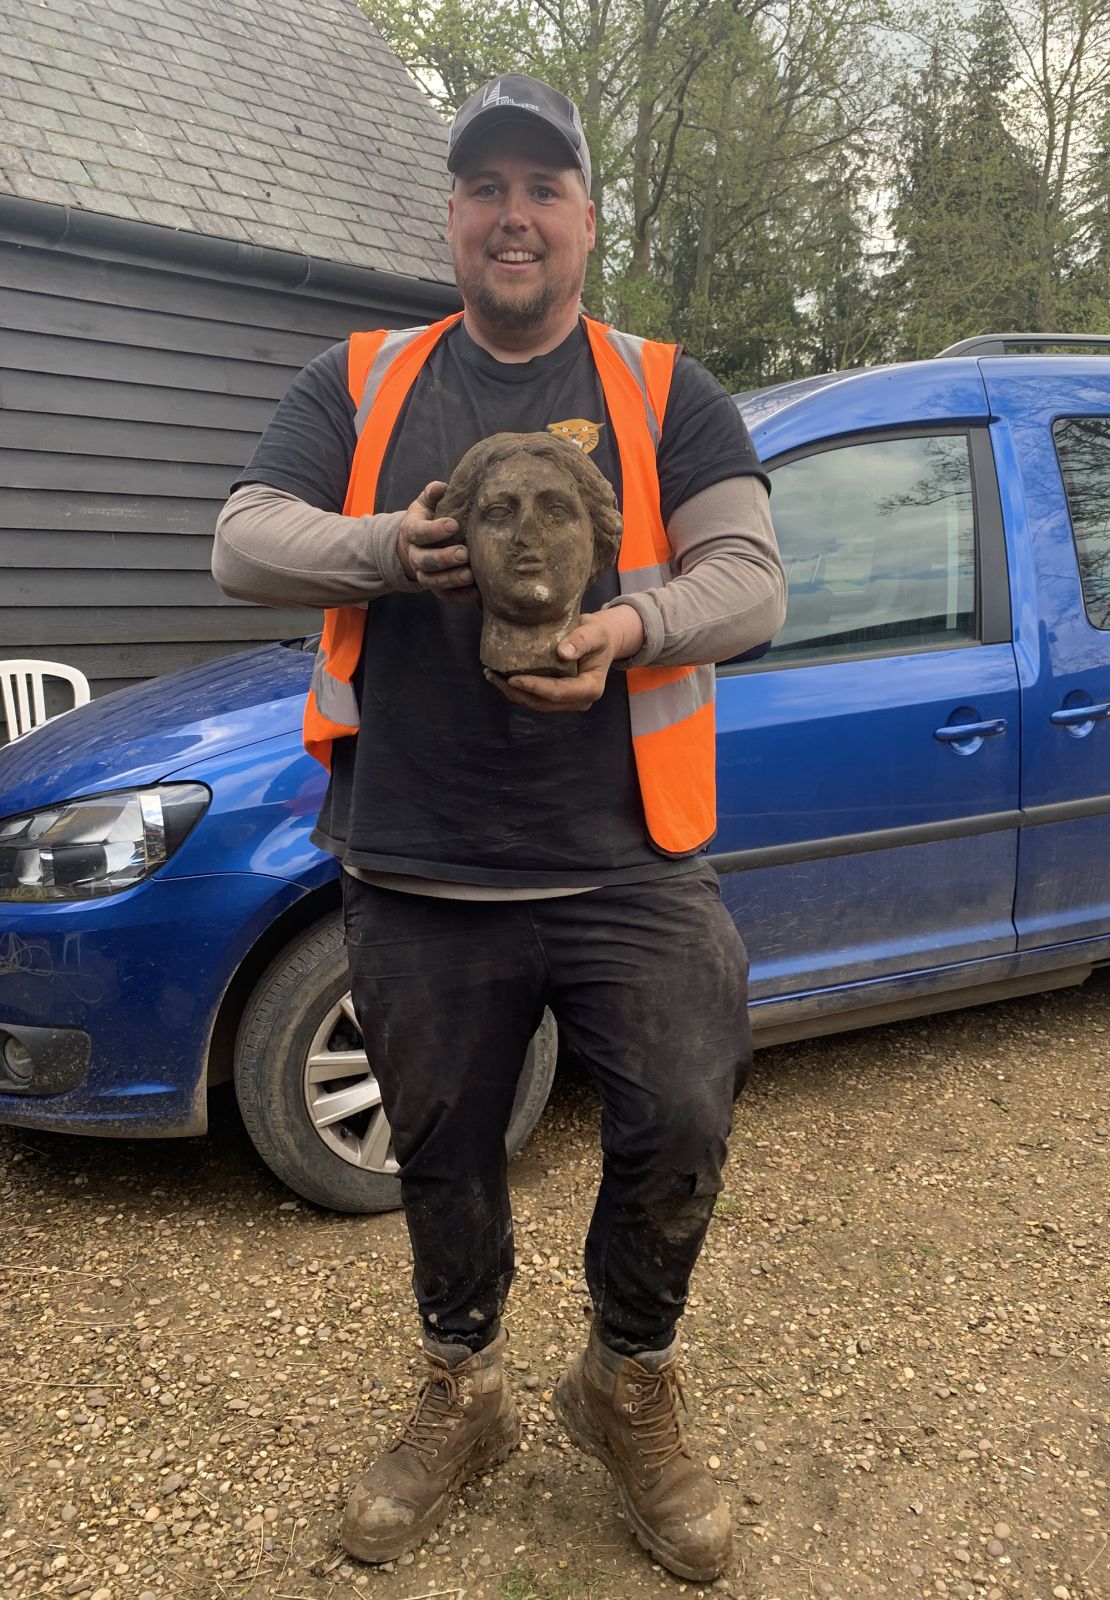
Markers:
<point>530,540</point>
<point>520,226</point>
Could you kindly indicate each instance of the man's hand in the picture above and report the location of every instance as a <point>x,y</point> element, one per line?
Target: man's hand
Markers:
<point>600,638</point>
<point>444,571</point>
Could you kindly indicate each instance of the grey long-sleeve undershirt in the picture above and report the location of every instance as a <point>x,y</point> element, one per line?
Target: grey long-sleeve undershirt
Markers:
<point>728,595</point>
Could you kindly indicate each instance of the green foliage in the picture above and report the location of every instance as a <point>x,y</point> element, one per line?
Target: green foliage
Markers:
<point>965,215</point>
<point>1089,281</point>
<point>765,236</point>
<point>520,1584</point>
<point>1001,197</point>
<point>523,1584</point>
<point>795,186</point>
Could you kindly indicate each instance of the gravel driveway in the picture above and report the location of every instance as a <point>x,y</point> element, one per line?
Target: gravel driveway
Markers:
<point>896,1347</point>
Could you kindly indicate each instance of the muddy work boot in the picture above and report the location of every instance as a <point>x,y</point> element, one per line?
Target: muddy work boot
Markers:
<point>464,1422</point>
<point>624,1411</point>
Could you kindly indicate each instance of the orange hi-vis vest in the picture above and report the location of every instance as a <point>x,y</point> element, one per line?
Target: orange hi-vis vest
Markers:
<point>670,708</point>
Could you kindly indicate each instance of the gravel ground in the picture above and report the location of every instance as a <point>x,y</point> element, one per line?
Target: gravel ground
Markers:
<point>896,1346</point>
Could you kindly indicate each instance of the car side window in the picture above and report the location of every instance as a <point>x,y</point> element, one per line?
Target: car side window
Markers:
<point>878,540</point>
<point>1083,450</point>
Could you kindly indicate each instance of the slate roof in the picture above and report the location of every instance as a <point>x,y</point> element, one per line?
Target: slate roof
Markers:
<point>285,123</point>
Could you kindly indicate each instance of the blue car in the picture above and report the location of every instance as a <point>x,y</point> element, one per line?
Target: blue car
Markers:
<point>914,791</point>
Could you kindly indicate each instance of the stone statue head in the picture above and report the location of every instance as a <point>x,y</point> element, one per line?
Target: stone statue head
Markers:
<point>541,524</point>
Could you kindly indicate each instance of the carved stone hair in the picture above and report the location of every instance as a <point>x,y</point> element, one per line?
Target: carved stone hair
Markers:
<point>594,488</point>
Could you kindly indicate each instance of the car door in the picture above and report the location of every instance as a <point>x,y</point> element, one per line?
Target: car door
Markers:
<point>868,765</point>
<point>1052,438</point>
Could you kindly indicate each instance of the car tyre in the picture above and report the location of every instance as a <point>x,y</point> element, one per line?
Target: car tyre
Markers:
<point>297,1021</point>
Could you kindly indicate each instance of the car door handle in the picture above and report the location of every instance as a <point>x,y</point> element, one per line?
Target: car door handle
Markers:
<point>971,730</point>
<point>1068,716</point>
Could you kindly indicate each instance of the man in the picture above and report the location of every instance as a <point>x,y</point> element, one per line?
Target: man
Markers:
<point>501,852</point>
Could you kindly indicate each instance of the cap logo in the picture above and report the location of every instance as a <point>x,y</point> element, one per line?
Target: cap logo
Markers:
<point>494,97</point>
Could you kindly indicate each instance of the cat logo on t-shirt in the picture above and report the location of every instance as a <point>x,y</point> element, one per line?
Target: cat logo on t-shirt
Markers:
<point>576,430</point>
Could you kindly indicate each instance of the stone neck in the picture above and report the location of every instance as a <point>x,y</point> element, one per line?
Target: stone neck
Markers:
<point>512,647</point>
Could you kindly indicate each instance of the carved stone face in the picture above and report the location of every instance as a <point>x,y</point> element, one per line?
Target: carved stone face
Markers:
<point>540,523</point>
<point>531,541</point>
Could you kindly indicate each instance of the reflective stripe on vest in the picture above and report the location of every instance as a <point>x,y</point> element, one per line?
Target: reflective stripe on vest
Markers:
<point>335,701</point>
<point>670,708</point>
<point>641,578</point>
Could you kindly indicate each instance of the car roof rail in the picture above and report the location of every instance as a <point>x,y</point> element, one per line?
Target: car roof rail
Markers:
<point>1000,344</point>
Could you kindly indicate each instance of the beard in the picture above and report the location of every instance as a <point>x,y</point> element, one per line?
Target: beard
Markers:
<point>516,312</point>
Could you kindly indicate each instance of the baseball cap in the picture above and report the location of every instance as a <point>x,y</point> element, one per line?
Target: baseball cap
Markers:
<point>518,98</point>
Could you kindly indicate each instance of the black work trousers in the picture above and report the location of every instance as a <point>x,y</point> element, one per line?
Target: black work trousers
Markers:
<point>648,984</point>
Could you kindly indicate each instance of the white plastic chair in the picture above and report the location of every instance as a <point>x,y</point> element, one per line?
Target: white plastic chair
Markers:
<point>23,692</point>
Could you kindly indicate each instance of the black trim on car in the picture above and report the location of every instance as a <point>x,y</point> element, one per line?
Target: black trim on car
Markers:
<point>856,844</point>
<point>1091,805</point>
<point>56,1059</point>
<point>992,570</point>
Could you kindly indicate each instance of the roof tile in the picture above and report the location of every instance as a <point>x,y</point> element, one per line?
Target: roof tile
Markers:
<point>236,183</point>
<point>29,186</point>
<point>299,161</point>
<point>177,194</point>
<point>27,50</point>
<point>26,70</point>
<point>276,238</point>
<point>64,168</point>
<point>21,136</point>
<point>115,180</point>
<point>83,105</point>
<point>228,205</point>
<point>168,216</point>
<point>152,144</point>
<point>248,167</point>
<point>116,205</point>
<point>29,112</point>
<point>119,94</point>
<point>119,155</point>
<point>59,30</point>
<point>69,144</point>
<point>163,33</point>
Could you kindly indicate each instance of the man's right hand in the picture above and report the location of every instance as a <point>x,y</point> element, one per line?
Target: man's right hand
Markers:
<point>445,570</point>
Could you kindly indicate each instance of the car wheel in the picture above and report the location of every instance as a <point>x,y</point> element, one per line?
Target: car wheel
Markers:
<point>308,1095</point>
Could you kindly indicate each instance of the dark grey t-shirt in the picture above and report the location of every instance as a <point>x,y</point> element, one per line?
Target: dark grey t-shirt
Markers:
<point>447,779</point>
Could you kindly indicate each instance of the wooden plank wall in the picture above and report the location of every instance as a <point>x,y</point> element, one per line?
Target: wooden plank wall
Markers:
<point>130,396</point>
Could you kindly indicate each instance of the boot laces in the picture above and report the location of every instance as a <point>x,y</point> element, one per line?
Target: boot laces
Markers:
<point>654,1417</point>
<point>434,1416</point>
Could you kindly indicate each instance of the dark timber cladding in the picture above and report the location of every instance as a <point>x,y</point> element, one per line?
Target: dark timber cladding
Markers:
<point>138,367</point>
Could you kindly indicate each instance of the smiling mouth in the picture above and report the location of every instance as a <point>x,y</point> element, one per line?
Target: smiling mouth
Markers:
<point>516,258</point>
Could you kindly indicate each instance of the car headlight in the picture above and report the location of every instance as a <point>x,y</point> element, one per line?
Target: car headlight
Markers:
<point>83,849</point>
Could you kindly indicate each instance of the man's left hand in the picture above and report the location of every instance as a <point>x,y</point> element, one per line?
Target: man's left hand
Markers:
<point>600,638</point>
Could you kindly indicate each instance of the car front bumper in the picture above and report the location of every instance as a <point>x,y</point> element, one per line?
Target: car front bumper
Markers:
<point>140,977</point>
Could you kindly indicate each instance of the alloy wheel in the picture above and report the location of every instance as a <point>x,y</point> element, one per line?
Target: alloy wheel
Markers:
<point>342,1094</point>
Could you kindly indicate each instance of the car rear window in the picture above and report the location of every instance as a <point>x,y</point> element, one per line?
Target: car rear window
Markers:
<point>1083,450</point>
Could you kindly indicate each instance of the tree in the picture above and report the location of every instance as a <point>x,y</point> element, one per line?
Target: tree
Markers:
<point>1088,285</point>
<point>764,239</point>
<point>1062,54</point>
<point>965,211</point>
